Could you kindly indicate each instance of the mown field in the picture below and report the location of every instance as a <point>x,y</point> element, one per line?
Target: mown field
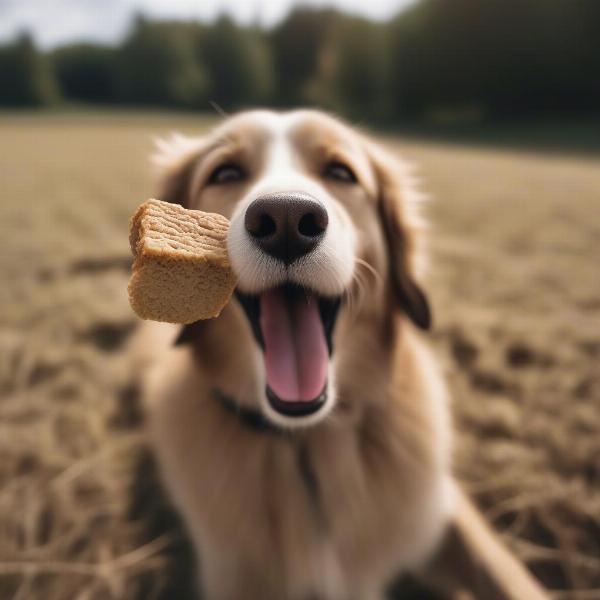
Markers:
<point>516,293</point>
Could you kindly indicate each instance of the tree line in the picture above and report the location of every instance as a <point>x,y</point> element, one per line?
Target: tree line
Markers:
<point>492,58</point>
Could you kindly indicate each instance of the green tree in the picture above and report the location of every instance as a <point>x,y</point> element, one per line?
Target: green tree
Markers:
<point>26,78</point>
<point>86,72</point>
<point>299,44</point>
<point>158,64</point>
<point>359,71</point>
<point>507,57</point>
<point>238,64</point>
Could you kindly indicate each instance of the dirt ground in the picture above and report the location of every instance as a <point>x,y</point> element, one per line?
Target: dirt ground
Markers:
<point>516,294</point>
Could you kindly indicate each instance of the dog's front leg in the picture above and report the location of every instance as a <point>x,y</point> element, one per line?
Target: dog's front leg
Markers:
<point>473,561</point>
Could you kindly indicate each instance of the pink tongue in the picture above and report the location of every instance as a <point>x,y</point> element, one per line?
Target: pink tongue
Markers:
<point>296,356</point>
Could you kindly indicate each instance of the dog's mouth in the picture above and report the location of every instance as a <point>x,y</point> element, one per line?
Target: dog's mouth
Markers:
<point>294,328</point>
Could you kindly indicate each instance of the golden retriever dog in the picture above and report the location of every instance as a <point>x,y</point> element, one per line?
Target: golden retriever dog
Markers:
<point>304,435</point>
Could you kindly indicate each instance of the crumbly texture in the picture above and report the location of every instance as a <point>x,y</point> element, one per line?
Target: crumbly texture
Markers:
<point>181,271</point>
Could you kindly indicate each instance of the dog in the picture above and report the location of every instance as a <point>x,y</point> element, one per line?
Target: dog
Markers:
<point>304,435</point>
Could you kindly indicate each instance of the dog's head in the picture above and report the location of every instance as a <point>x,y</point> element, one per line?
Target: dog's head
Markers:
<point>324,239</point>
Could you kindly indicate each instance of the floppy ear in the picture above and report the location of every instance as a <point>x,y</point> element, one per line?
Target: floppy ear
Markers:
<point>176,157</point>
<point>403,231</point>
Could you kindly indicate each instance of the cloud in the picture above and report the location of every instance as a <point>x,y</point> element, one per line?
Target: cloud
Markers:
<point>60,20</point>
<point>53,22</point>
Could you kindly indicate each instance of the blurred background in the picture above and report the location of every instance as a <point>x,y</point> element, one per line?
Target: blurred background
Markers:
<point>399,61</point>
<point>497,102</point>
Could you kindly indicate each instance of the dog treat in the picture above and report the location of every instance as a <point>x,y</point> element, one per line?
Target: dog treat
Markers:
<point>181,271</point>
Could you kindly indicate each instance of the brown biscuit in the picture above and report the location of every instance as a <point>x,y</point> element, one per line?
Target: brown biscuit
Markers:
<point>181,272</point>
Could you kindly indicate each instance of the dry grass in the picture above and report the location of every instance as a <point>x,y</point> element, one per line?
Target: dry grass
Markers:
<point>515,287</point>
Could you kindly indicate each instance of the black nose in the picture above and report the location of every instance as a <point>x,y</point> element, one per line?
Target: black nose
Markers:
<point>286,226</point>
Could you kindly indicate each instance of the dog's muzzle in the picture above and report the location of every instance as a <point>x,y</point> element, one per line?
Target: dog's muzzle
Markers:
<point>291,322</point>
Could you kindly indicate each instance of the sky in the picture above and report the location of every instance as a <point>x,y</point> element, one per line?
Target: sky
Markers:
<point>55,22</point>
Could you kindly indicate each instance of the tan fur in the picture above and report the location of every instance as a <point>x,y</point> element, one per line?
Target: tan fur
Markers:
<point>382,497</point>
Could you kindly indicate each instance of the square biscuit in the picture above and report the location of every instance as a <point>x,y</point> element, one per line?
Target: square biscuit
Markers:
<point>181,272</point>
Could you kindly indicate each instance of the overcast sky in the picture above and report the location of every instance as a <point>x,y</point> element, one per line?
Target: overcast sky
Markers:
<point>54,22</point>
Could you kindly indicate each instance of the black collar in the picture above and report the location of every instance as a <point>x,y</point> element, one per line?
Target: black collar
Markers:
<point>250,417</point>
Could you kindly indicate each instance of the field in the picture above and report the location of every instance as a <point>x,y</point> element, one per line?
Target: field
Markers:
<point>516,294</point>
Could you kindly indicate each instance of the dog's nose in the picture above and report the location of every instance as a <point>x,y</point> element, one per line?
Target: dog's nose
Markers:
<point>286,226</point>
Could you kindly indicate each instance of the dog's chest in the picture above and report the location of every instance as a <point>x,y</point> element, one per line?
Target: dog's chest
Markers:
<point>331,511</point>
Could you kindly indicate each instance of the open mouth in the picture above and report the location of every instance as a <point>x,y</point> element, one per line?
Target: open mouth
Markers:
<point>294,328</point>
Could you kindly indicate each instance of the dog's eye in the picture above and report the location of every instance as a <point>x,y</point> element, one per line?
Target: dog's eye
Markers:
<point>339,172</point>
<point>227,173</point>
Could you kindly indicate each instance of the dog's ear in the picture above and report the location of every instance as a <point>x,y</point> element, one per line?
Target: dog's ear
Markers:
<point>403,231</point>
<point>176,158</point>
